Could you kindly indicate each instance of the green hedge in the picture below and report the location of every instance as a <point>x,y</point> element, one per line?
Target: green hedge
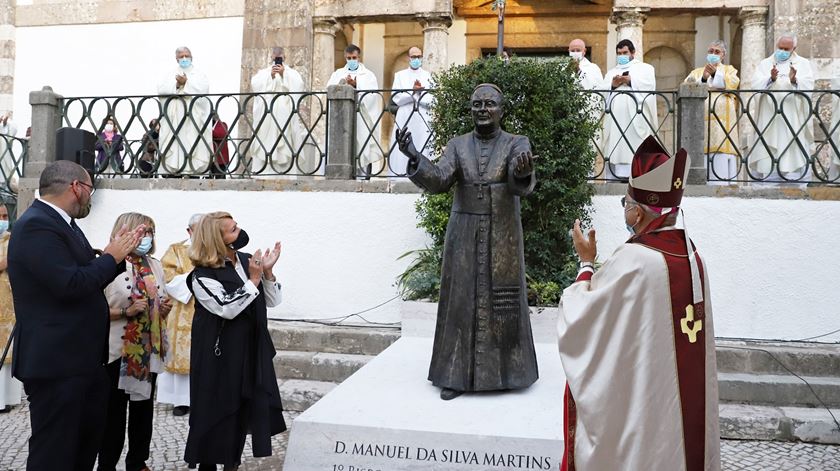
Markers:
<point>543,103</point>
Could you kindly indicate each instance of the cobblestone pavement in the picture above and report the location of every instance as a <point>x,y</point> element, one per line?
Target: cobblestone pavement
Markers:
<point>170,435</point>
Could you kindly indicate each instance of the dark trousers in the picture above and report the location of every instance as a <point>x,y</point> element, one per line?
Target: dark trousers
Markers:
<point>140,414</point>
<point>68,418</point>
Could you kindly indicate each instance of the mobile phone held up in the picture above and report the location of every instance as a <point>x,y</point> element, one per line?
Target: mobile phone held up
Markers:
<point>626,73</point>
<point>278,61</point>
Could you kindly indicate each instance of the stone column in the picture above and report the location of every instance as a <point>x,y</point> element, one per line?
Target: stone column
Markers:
<point>753,40</point>
<point>7,55</point>
<point>629,24</point>
<point>435,41</point>
<point>323,55</point>
<point>342,132</point>
<point>691,106</point>
<point>46,119</point>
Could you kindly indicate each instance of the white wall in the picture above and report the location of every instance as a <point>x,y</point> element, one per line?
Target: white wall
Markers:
<point>340,250</point>
<point>121,58</point>
<point>773,264</point>
<point>457,42</point>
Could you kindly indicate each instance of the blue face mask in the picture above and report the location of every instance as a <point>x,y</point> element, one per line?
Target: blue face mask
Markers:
<point>713,58</point>
<point>144,247</point>
<point>415,63</point>
<point>623,60</point>
<point>782,55</point>
<point>185,62</point>
<point>4,226</point>
<point>630,229</point>
<point>352,64</point>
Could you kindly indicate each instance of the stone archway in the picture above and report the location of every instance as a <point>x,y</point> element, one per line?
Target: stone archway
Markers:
<point>671,69</point>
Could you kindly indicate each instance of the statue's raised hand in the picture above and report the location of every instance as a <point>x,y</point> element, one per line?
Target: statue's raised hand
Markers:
<point>406,144</point>
<point>523,165</point>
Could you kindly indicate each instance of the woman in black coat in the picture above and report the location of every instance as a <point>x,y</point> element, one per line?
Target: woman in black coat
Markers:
<point>233,388</point>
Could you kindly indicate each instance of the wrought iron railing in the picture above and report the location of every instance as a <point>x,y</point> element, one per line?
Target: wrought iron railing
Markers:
<point>379,113</point>
<point>262,134</point>
<point>626,118</point>
<point>773,136</point>
<point>13,155</point>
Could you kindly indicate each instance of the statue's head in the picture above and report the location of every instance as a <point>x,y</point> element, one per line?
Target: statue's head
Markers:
<point>487,106</point>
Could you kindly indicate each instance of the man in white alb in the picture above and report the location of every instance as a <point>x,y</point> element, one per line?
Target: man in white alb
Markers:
<point>413,111</point>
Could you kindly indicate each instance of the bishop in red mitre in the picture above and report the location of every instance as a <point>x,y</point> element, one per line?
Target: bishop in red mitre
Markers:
<point>636,338</point>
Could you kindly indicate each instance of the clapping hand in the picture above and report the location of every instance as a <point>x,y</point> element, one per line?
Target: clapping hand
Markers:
<point>584,246</point>
<point>180,80</point>
<point>124,242</point>
<point>269,259</point>
<point>417,85</point>
<point>350,81</point>
<point>774,73</point>
<point>792,75</point>
<point>709,71</point>
<point>165,306</point>
<point>523,165</point>
<point>255,268</point>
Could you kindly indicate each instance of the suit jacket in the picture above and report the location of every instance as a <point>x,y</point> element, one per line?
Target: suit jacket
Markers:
<point>58,283</point>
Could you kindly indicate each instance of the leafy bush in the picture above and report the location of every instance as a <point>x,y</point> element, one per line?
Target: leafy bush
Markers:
<point>543,103</point>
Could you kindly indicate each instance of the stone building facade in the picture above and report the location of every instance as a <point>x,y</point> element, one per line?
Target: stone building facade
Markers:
<point>670,34</point>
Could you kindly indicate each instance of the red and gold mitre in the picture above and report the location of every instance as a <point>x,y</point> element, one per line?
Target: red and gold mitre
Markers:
<point>656,178</point>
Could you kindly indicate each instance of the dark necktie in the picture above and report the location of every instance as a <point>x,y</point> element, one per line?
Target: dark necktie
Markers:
<point>79,234</point>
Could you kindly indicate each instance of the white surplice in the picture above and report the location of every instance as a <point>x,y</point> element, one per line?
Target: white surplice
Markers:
<point>622,113</point>
<point>370,111</point>
<point>413,112</point>
<point>791,153</point>
<point>195,114</point>
<point>616,342</point>
<point>589,74</point>
<point>283,126</point>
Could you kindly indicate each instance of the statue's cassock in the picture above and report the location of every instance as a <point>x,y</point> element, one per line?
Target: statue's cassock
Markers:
<point>637,344</point>
<point>483,337</point>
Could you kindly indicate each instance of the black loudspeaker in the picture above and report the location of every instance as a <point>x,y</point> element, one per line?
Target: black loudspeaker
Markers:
<point>76,145</point>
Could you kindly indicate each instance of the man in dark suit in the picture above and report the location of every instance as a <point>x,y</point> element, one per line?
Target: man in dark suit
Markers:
<point>61,343</point>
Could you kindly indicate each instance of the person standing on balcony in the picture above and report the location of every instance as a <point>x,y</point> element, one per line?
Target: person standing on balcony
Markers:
<point>174,382</point>
<point>636,337</point>
<point>355,74</point>
<point>109,145</point>
<point>722,125</point>
<point>186,135</point>
<point>632,82</point>
<point>589,74</point>
<point>10,388</point>
<point>280,132</point>
<point>413,109</point>
<point>784,118</point>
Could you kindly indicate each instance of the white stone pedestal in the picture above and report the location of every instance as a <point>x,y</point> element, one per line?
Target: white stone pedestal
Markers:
<point>388,417</point>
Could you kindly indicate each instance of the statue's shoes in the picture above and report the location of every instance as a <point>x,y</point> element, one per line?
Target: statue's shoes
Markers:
<point>447,394</point>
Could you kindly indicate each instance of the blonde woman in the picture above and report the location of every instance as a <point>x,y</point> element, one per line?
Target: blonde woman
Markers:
<point>233,388</point>
<point>136,348</point>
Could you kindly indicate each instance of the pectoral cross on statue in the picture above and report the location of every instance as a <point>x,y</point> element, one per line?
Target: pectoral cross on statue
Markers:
<point>697,325</point>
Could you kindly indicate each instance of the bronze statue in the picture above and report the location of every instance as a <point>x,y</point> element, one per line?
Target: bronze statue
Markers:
<point>483,339</point>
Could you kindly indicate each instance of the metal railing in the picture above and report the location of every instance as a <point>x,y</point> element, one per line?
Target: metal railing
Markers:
<point>261,134</point>
<point>13,155</point>
<point>773,136</point>
<point>379,113</point>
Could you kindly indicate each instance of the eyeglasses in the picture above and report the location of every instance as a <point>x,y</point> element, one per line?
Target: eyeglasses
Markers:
<point>625,202</point>
<point>90,188</point>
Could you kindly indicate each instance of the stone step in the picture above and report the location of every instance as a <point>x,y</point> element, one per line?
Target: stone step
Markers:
<point>805,359</point>
<point>778,390</point>
<point>299,394</point>
<point>303,337</point>
<point>750,422</point>
<point>335,367</point>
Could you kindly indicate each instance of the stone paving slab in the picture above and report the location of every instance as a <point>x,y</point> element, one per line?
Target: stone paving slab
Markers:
<point>170,434</point>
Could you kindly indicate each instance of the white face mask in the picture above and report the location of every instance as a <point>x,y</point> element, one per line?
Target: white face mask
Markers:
<point>109,128</point>
<point>576,55</point>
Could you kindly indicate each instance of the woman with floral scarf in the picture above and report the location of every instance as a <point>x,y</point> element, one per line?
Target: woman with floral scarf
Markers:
<point>136,349</point>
